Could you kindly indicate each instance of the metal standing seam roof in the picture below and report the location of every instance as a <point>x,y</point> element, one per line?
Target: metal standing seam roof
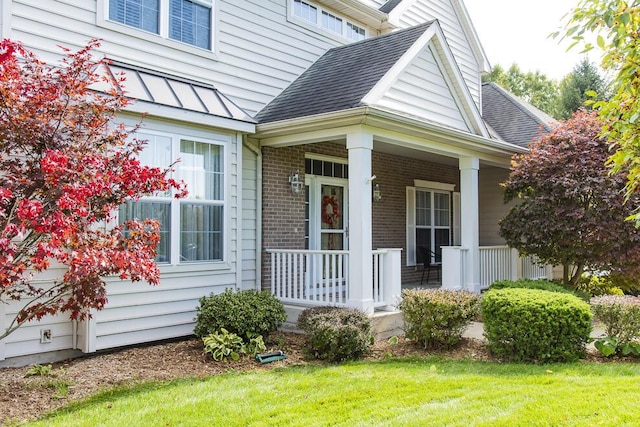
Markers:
<point>513,119</point>
<point>158,88</point>
<point>341,78</point>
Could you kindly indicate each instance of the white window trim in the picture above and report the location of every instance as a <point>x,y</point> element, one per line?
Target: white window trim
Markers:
<point>433,185</point>
<point>162,39</point>
<point>175,265</point>
<point>317,28</point>
<point>411,227</point>
<point>314,156</point>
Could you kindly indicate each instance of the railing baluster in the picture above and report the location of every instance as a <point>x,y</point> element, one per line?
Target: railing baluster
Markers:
<point>273,275</point>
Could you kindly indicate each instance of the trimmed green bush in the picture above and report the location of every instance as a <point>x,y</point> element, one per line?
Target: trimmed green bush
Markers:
<point>436,317</point>
<point>244,313</point>
<point>335,334</point>
<point>540,284</point>
<point>533,325</point>
<point>620,315</point>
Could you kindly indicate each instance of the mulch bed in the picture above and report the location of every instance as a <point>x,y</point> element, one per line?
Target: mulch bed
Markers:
<point>25,397</point>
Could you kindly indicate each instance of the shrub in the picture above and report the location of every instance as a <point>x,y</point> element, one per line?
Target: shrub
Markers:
<point>540,284</point>
<point>534,325</point>
<point>620,315</point>
<point>437,318</point>
<point>595,285</point>
<point>245,313</point>
<point>335,334</point>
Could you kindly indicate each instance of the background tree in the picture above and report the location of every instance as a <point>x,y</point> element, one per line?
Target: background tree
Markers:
<point>65,166</point>
<point>584,78</point>
<point>571,210</point>
<point>532,87</point>
<point>616,24</point>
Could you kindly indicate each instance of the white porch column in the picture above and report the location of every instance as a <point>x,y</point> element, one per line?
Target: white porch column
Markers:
<point>360,145</point>
<point>469,224</point>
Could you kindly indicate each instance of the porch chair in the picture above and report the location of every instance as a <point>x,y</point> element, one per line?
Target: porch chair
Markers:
<point>427,265</point>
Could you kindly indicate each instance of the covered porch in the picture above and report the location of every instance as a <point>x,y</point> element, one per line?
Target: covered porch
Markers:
<point>376,162</point>
<point>387,164</point>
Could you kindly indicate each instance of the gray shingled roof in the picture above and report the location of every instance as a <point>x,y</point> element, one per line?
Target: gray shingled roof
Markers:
<point>389,6</point>
<point>340,78</point>
<point>513,119</point>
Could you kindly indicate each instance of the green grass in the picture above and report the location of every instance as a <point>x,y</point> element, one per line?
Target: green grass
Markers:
<point>397,392</point>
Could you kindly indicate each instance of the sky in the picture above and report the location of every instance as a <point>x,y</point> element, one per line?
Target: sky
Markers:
<point>516,31</point>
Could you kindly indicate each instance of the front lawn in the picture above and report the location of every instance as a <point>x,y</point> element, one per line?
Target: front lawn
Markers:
<point>431,391</point>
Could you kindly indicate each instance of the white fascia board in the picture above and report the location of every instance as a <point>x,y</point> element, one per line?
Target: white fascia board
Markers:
<point>388,125</point>
<point>173,113</point>
<point>454,75</point>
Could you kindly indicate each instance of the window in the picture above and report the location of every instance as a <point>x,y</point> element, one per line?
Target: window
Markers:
<point>305,11</point>
<point>430,213</point>
<point>331,22</point>
<point>433,218</point>
<point>187,21</point>
<point>142,14</point>
<point>354,32</point>
<point>191,229</point>
<point>316,16</point>
<point>190,22</point>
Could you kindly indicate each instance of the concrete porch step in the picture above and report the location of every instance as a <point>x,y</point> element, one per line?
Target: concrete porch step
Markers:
<point>384,324</point>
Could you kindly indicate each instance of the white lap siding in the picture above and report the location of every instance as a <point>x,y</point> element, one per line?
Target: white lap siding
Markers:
<point>257,51</point>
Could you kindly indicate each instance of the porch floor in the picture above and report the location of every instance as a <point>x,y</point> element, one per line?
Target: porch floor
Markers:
<point>432,284</point>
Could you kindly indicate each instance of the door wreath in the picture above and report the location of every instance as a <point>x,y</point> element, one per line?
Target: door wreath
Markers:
<point>330,216</point>
<point>330,211</point>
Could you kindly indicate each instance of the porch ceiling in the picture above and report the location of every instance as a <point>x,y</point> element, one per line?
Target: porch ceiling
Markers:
<point>392,133</point>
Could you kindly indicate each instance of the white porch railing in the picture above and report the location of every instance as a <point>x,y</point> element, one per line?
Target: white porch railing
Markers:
<point>496,263</point>
<point>313,277</point>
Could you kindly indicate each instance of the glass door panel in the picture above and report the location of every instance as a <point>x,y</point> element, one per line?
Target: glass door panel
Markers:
<point>332,217</point>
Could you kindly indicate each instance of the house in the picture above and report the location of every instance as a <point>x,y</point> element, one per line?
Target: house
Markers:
<point>310,132</point>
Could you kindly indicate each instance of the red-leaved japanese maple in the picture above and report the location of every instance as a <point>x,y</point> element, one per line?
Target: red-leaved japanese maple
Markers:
<point>571,209</point>
<point>65,166</point>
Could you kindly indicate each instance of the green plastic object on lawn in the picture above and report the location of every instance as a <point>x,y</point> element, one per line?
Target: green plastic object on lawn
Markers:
<point>271,357</point>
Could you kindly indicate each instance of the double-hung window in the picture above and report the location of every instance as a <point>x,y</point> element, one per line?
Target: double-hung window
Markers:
<point>187,21</point>
<point>191,229</point>
<point>432,221</point>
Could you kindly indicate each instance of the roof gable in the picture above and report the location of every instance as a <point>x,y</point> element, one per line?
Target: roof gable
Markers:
<point>368,73</point>
<point>341,77</point>
<point>426,82</point>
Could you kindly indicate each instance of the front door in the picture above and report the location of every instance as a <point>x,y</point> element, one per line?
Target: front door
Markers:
<point>327,213</point>
<point>327,225</point>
